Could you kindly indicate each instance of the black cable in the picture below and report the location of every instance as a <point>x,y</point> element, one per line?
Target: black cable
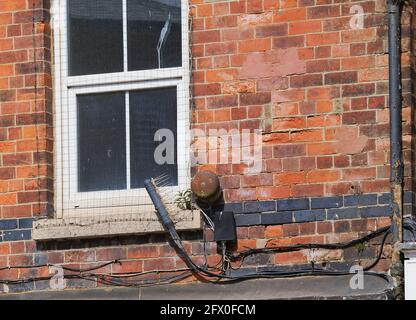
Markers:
<point>141,283</point>
<point>298,247</point>
<point>169,226</point>
<point>380,254</point>
<point>62,266</point>
<point>265,274</point>
<point>138,274</point>
<point>221,277</point>
<point>92,268</point>
<point>100,277</point>
<point>103,278</point>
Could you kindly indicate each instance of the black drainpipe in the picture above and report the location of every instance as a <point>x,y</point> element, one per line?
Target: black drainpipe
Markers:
<point>396,161</point>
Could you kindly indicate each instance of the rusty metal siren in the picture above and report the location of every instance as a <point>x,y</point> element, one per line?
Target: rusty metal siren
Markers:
<point>205,186</point>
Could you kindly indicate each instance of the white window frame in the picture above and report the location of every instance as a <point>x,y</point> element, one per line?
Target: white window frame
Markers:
<point>68,201</point>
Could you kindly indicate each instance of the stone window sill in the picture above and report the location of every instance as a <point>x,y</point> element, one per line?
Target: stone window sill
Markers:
<point>409,250</point>
<point>106,225</point>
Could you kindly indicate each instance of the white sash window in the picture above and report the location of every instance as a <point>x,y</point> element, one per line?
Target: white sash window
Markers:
<point>121,74</point>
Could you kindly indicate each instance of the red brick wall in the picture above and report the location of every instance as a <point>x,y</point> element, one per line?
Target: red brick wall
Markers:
<point>324,85</point>
<point>294,69</point>
<point>26,141</point>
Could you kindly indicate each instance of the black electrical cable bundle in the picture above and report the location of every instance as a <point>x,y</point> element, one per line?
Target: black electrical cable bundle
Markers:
<point>115,278</point>
<point>169,226</point>
<point>371,266</point>
<point>63,267</point>
<point>297,247</point>
<point>102,277</point>
<point>106,279</point>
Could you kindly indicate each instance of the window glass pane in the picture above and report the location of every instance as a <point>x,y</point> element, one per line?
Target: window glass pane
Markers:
<point>95,33</point>
<point>154,34</point>
<point>151,110</point>
<point>101,142</point>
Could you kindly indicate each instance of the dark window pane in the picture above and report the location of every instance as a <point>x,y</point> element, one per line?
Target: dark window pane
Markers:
<point>151,110</point>
<point>154,34</point>
<point>95,30</point>
<point>101,142</point>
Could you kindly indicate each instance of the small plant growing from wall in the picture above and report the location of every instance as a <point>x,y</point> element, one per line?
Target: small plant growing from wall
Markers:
<point>183,200</point>
<point>360,247</point>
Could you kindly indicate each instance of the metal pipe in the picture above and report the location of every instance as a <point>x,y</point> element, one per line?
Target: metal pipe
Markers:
<point>396,161</point>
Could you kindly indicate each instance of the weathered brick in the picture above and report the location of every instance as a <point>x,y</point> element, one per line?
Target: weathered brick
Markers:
<point>256,232</point>
<point>342,213</point>
<point>384,198</point>
<point>247,99</point>
<point>304,27</point>
<point>222,101</point>
<point>320,12</point>
<point>259,206</point>
<point>358,90</point>
<point>327,202</point>
<point>324,227</point>
<point>284,151</point>
<point>342,226</point>
<point>302,190</point>
<point>323,176</point>
<point>25,223</point>
<point>341,77</point>
<point>309,215</point>
<point>17,235</point>
<point>296,257</point>
<point>290,230</point>
<point>324,162</point>
<point>108,254</point>
<point>309,80</point>
<point>272,30</point>
<point>360,200</point>
<point>8,224</point>
<point>293,14</point>
<point>292,204</point>
<point>247,219</point>
<point>7,173</point>
<point>276,218</point>
<point>359,117</point>
<point>234,207</point>
<point>273,231</point>
<point>272,192</point>
<point>289,123</point>
<point>322,39</point>
<point>254,45</point>
<point>288,42</point>
<point>379,211</point>
<point>307,228</point>
<point>287,178</point>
